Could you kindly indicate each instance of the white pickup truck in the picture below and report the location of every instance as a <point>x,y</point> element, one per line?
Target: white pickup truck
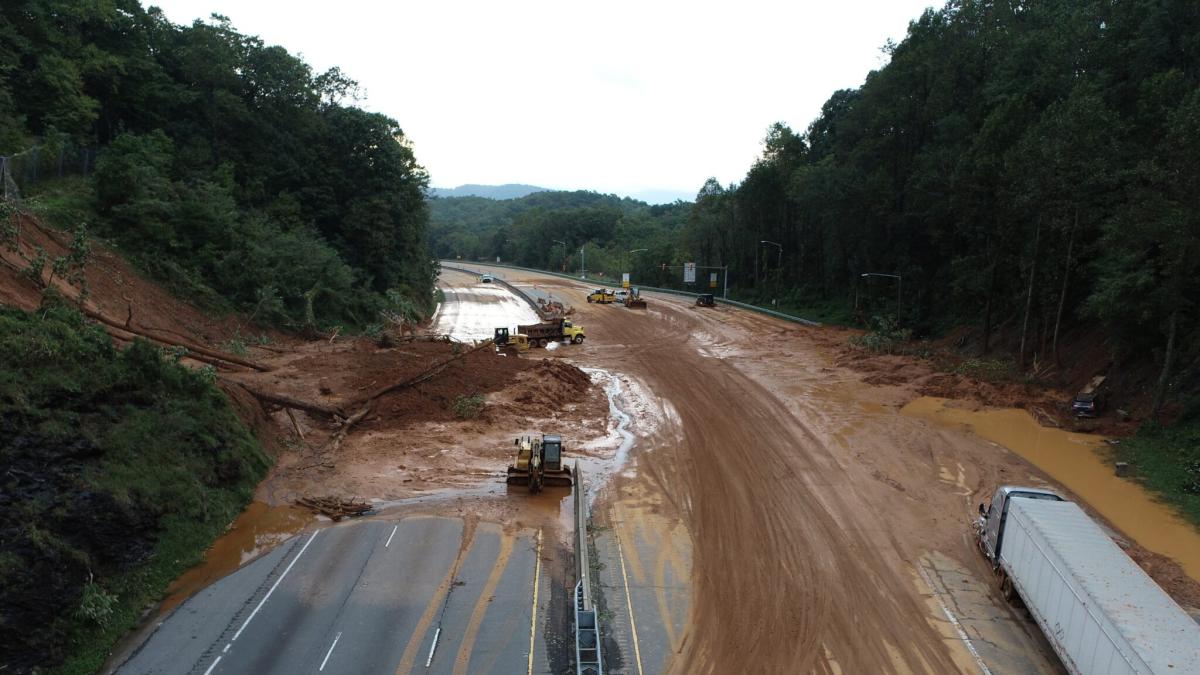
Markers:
<point>1101,613</point>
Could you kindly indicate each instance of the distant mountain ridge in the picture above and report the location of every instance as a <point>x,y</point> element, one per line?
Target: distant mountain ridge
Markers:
<point>506,191</point>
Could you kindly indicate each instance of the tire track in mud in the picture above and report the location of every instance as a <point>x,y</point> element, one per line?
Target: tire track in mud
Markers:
<point>791,572</point>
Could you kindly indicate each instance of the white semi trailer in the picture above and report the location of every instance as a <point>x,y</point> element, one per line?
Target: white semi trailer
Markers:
<point>1101,613</point>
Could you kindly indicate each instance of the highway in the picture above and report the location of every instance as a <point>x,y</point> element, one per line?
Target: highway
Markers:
<point>372,596</point>
<point>369,597</point>
<point>473,311</point>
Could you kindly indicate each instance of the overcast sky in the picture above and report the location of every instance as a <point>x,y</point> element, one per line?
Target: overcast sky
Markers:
<point>646,99</point>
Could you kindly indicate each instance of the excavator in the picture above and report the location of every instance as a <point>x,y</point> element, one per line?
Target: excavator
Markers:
<point>539,463</point>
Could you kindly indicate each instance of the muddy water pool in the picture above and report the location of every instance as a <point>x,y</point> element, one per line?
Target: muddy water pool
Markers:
<point>1080,462</point>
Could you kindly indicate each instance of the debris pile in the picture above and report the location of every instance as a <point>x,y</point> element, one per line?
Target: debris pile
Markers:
<point>335,508</point>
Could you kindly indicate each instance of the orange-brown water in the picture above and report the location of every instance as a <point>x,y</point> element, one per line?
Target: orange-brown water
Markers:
<point>253,532</point>
<point>1078,462</point>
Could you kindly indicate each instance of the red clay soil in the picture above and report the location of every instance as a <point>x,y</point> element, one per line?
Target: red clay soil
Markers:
<point>336,376</point>
<point>807,497</point>
<point>116,289</point>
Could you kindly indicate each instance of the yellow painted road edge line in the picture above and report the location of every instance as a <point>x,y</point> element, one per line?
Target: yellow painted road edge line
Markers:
<point>637,652</point>
<point>537,574</point>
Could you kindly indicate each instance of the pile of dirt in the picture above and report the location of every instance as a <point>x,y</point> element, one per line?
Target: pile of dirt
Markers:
<point>479,373</point>
<point>440,415</point>
<point>550,383</point>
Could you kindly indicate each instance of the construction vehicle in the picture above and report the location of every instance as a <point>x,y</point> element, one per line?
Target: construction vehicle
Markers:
<point>510,343</point>
<point>705,300</point>
<point>553,330</point>
<point>1100,612</point>
<point>539,463</point>
<point>602,296</point>
<point>634,300</point>
<point>1088,401</point>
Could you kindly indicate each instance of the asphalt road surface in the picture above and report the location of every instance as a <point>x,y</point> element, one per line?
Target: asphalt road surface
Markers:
<point>368,597</point>
<point>473,310</point>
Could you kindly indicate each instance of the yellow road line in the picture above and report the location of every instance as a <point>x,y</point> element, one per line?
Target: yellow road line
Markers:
<point>637,651</point>
<point>437,602</point>
<point>463,659</point>
<point>537,575</point>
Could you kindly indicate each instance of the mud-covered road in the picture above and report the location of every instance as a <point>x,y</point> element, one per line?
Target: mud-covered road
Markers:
<point>794,522</point>
<point>757,508</point>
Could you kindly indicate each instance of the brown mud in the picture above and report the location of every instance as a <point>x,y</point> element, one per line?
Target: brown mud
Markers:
<point>809,499</point>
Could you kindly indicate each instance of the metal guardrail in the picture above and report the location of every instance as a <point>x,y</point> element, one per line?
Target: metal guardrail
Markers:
<point>654,289</point>
<point>588,660</point>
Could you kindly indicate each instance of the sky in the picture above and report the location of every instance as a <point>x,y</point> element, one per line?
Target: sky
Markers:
<point>645,99</point>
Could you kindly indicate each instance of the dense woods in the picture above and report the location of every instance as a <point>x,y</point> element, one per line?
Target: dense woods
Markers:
<point>232,172</point>
<point>225,166</point>
<point>1026,167</point>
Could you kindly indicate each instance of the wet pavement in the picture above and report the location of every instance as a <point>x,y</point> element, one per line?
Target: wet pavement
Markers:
<point>370,597</point>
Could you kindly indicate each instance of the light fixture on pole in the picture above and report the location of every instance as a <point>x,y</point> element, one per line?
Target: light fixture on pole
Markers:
<point>779,263</point>
<point>564,245</point>
<point>899,286</point>
<point>628,254</point>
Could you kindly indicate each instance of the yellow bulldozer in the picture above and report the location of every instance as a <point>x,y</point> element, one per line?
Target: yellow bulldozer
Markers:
<point>539,463</point>
<point>634,299</point>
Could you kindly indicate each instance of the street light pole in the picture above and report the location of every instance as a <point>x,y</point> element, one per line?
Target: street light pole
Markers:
<point>779,263</point>
<point>899,287</point>
<point>628,254</point>
<point>564,245</point>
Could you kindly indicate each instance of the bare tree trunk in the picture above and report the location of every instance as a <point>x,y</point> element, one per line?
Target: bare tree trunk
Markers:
<point>987,312</point>
<point>1062,298</point>
<point>1160,388</point>
<point>1037,234</point>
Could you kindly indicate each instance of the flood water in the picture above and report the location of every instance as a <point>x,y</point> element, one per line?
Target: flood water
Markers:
<point>258,529</point>
<point>1078,461</point>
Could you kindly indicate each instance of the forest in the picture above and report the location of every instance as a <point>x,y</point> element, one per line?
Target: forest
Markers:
<point>223,166</point>
<point>228,171</point>
<point>1021,169</point>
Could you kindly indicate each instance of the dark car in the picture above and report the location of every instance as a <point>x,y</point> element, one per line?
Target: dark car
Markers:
<point>1086,404</point>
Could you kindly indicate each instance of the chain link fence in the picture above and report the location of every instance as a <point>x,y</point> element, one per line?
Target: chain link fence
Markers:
<point>49,159</point>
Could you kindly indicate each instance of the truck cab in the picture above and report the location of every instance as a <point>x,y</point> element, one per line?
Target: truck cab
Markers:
<point>991,519</point>
<point>572,332</point>
<point>602,296</point>
<point>552,451</point>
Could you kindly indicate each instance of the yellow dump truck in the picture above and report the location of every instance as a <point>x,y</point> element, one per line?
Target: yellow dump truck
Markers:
<point>602,296</point>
